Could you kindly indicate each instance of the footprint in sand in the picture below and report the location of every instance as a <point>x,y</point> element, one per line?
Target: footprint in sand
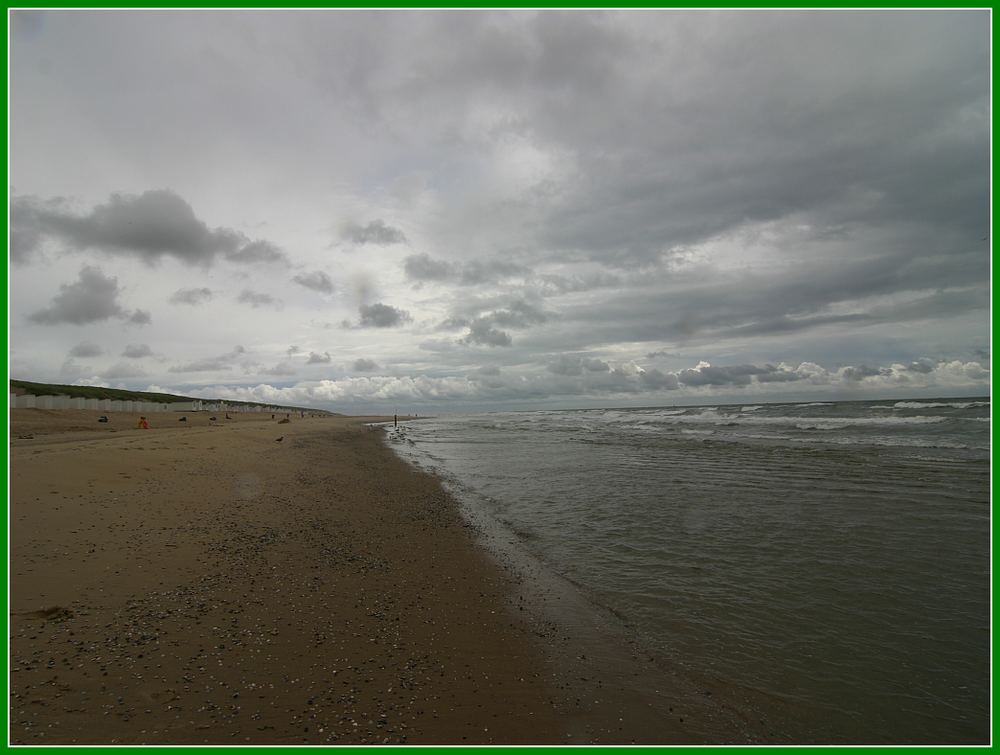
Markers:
<point>164,696</point>
<point>55,613</point>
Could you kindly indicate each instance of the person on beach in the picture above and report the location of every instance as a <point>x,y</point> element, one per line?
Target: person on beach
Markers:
<point>143,424</point>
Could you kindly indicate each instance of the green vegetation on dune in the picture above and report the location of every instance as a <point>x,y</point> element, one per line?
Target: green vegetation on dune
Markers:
<point>116,394</point>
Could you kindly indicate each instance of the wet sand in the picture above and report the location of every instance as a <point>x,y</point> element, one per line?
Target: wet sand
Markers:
<point>204,582</point>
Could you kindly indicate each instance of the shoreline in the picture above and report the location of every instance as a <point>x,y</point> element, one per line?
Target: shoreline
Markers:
<point>197,584</point>
<point>617,688</point>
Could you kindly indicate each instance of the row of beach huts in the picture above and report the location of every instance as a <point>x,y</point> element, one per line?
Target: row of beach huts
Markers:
<point>144,407</point>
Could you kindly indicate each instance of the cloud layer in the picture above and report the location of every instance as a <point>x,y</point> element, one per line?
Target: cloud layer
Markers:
<point>502,207</point>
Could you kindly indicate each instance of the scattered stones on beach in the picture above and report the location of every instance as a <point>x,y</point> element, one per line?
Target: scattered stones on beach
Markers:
<point>179,596</point>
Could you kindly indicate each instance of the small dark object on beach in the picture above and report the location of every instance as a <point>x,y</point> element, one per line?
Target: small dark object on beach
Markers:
<point>25,437</point>
<point>278,440</point>
<point>227,416</point>
<point>103,418</point>
<point>284,421</point>
<point>183,419</point>
<point>212,419</point>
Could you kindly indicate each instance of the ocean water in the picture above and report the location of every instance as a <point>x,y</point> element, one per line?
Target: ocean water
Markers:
<point>833,557</point>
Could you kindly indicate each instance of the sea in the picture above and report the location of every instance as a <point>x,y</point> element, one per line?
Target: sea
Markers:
<point>833,557</point>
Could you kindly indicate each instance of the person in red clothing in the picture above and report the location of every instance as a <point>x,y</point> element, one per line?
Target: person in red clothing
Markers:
<point>143,424</point>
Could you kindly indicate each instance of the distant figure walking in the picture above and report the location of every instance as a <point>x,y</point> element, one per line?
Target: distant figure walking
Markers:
<point>395,420</point>
<point>143,424</point>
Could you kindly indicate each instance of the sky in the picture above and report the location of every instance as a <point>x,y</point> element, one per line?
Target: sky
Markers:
<point>453,210</point>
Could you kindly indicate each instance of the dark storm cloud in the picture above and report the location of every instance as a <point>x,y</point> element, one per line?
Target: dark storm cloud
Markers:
<point>519,314</point>
<point>421,267</point>
<point>137,351</point>
<point>382,316</point>
<point>256,299</point>
<point>785,324</point>
<point>550,284</point>
<point>481,332</point>
<point>210,364</point>
<point>138,317</point>
<point>481,315</point>
<point>316,280</point>
<point>733,185</point>
<point>657,380</point>
<point>768,152</point>
<point>746,127</point>
<point>740,374</point>
<point>94,297</point>
<point>376,232</point>
<point>703,307</point>
<point>779,376</point>
<point>148,226</point>
<point>568,364</point>
<point>86,350</point>
<point>364,365</point>
<point>258,252</point>
<point>191,296</point>
<point>509,311</point>
<point>864,371</point>
<point>323,358</point>
<point>25,226</point>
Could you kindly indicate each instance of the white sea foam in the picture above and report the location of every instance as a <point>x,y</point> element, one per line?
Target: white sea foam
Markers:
<point>934,405</point>
<point>751,408</point>
<point>838,423</point>
<point>802,423</point>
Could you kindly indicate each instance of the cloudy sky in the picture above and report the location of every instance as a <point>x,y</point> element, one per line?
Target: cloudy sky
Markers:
<point>404,210</point>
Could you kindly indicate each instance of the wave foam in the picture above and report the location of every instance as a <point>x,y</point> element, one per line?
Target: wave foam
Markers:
<point>935,405</point>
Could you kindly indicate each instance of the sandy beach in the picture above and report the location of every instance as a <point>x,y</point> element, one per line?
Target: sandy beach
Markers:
<point>206,582</point>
